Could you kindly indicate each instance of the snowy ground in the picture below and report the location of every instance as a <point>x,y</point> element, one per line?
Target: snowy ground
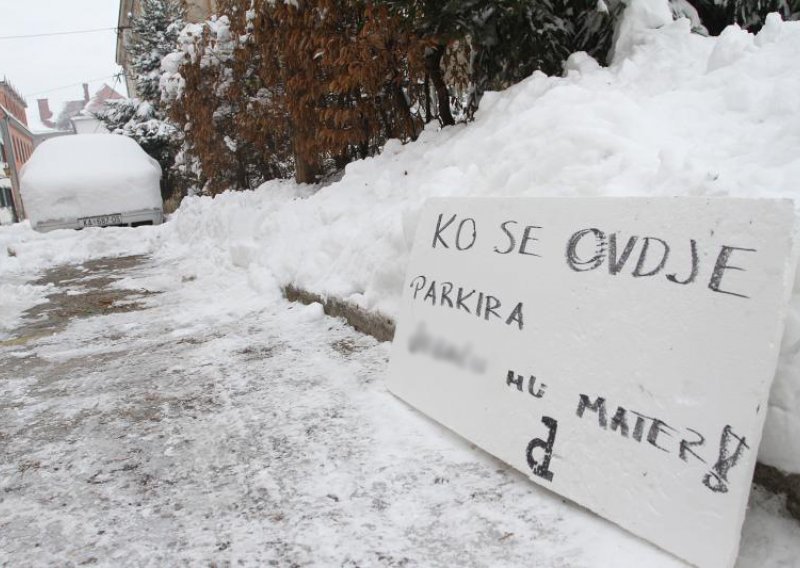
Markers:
<point>185,421</point>
<point>210,422</point>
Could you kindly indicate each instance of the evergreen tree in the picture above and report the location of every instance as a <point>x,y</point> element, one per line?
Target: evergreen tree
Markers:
<point>139,120</point>
<point>154,34</point>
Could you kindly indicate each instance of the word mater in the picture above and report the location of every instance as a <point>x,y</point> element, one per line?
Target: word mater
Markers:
<point>731,446</point>
<point>480,304</point>
<point>634,425</point>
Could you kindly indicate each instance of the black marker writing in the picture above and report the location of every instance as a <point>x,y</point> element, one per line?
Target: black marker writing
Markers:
<point>465,237</point>
<point>717,478</point>
<point>543,469</point>
<point>513,378</point>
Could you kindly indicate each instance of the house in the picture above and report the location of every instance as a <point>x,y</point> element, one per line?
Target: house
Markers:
<point>85,122</point>
<point>70,109</point>
<point>196,11</point>
<point>16,147</point>
<point>77,116</point>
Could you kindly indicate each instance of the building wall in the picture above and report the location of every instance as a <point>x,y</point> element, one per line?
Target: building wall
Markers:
<point>89,125</point>
<point>17,148</point>
<point>23,145</point>
<point>126,8</point>
<point>17,139</point>
<point>199,10</point>
<point>11,101</point>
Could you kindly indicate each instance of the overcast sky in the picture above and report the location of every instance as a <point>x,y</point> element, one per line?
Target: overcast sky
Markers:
<point>54,67</point>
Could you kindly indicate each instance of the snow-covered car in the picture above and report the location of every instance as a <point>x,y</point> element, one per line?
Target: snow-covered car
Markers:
<point>91,180</point>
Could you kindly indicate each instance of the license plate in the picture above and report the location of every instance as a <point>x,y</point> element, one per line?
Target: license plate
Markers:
<point>101,220</point>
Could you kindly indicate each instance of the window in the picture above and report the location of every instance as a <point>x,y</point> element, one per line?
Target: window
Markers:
<point>5,197</point>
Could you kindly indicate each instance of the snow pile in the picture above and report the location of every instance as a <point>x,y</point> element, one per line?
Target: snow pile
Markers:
<point>69,177</point>
<point>676,114</point>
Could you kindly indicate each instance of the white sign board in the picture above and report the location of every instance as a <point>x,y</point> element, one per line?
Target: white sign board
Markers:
<point>617,351</point>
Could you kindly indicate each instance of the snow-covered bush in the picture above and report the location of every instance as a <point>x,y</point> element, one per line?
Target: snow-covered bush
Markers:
<point>506,41</point>
<point>748,14</point>
<point>208,85</point>
<point>268,88</point>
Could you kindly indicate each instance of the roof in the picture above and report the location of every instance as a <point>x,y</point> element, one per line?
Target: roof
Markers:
<point>98,100</point>
<point>36,126</point>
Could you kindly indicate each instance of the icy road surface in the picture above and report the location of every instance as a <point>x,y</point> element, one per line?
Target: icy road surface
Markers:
<point>149,416</point>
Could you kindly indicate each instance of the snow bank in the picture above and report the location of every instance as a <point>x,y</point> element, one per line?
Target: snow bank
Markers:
<point>676,114</point>
<point>91,174</point>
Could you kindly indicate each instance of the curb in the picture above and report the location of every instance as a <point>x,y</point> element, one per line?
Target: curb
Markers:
<point>775,481</point>
<point>377,325</point>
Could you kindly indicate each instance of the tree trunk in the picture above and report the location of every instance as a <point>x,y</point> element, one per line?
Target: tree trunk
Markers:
<point>306,170</point>
<point>433,62</point>
<point>241,173</point>
<point>403,113</point>
<point>428,116</point>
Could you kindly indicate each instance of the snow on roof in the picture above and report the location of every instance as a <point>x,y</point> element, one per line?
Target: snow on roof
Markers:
<point>98,100</point>
<point>35,124</point>
<point>92,174</point>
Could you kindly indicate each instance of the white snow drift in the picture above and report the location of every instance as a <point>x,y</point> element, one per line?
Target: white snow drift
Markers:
<point>676,114</point>
<point>71,177</point>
